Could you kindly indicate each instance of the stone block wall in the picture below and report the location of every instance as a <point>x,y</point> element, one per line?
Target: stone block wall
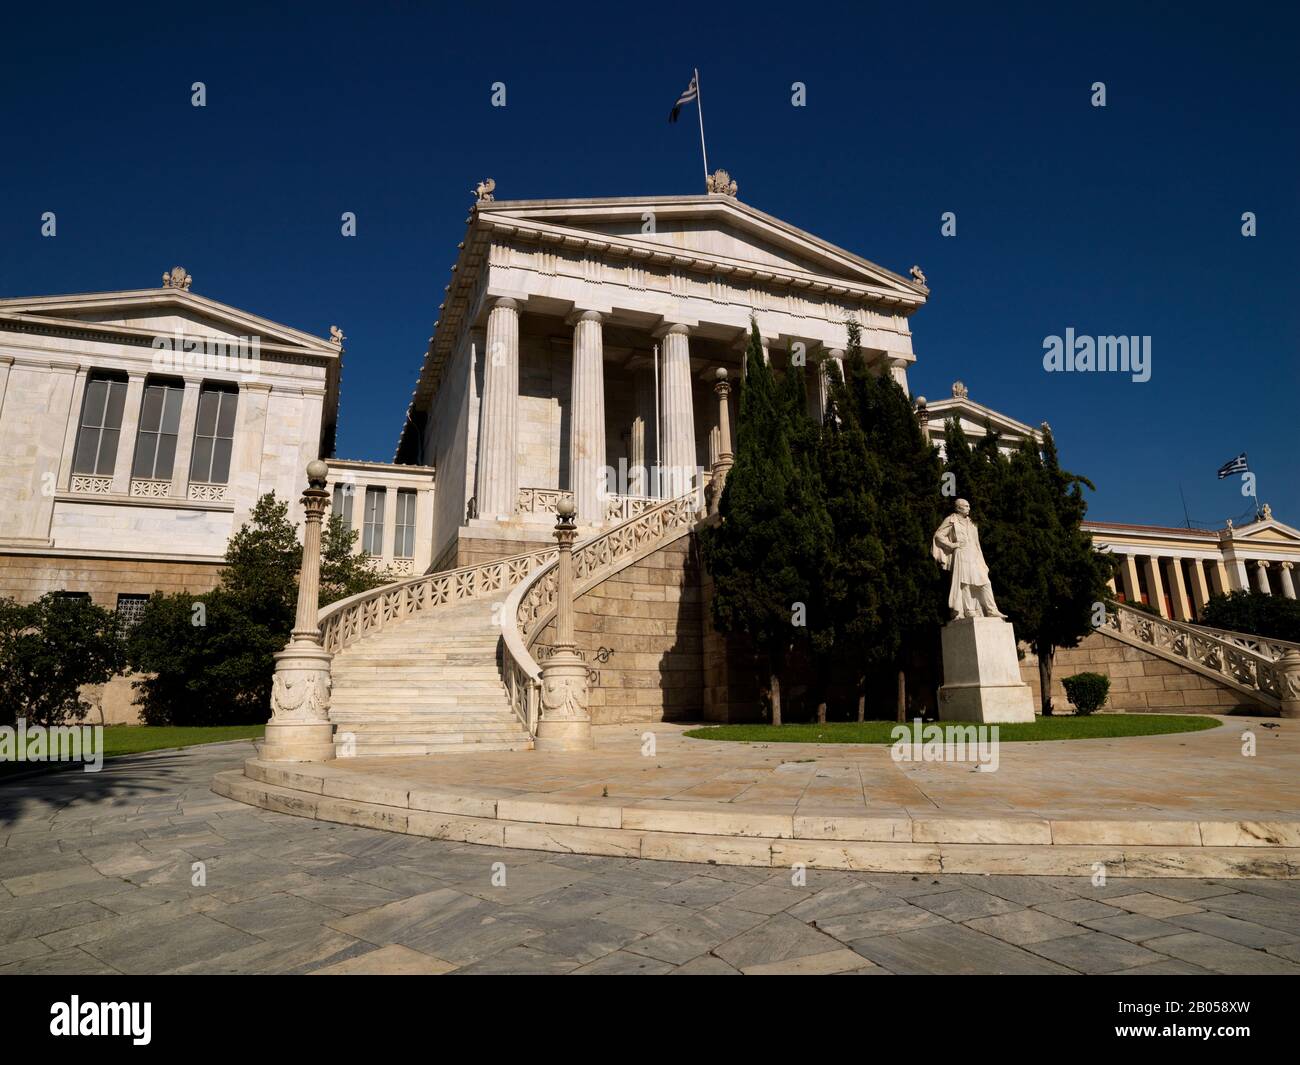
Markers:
<point>649,616</point>
<point>27,577</point>
<point>1140,682</point>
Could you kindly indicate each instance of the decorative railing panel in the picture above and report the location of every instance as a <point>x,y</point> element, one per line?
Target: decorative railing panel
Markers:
<point>91,485</point>
<point>358,616</point>
<point>209,493</point>
<point>151,489</point>
<point>1241,667</point>
<point>538,500</point>
<point>1271,649</point>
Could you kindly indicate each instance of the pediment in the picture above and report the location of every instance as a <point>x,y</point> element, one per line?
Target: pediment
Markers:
<point>975,419</point>
<point>152,312</point>
<point>1269,531</point>
<point>715,229</point>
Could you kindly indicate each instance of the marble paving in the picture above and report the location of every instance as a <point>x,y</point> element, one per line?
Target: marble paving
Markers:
<point>142,869</point>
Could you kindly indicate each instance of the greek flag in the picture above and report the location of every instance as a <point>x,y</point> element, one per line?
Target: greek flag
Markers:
<point>692,91</point>
<point>1237,465</point>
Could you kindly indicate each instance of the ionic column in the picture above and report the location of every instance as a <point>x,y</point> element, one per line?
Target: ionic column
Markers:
<point>1200,590</point>
<point>726,459</point>
<point>1177,588</point>
<point>1156,586</point>
<point>678,453</point>
<point>836,356</point>
<point>1237,574</point>
<point>587,419</point>
<point>898,371</point>
<point>1288,585</point>
<point>1219,578</point>
<point>1261,577</point>
<point>643,435</point>
<point>126,437</point>
<point>300,729</point>
<point>498,463</point>
<point>1128,574</point>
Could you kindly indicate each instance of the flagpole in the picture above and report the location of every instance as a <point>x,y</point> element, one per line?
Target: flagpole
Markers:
<point>699,108</point>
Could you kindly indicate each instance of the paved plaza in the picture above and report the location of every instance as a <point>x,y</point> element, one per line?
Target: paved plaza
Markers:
<point>142,869</point>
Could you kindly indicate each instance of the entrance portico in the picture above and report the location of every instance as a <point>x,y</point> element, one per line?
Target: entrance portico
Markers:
<point>579,342</point>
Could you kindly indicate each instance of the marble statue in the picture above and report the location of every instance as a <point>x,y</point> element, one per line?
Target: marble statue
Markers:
<point>956,547</point>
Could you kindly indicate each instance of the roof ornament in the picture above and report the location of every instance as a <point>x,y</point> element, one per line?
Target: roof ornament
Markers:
<point>336,336</point>
<point>177,278</point>
<point>959,390</point>
<point>918,275</point>
<point>1265,512</point>
<point>484,189</point>
<point>720,182</point>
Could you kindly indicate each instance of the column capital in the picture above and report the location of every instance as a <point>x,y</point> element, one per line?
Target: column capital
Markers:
<point>586,314</point>
<point>673,329</point>
<point>505,303</point>
<point>1287,565</point>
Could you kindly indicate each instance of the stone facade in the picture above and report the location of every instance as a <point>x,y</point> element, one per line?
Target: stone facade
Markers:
<point>1140,682</point>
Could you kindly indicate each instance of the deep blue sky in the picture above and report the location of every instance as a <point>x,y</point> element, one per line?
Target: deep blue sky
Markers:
<point>1122,220</point>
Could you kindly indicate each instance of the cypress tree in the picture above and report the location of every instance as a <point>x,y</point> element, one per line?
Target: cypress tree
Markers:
<point>751,551</point>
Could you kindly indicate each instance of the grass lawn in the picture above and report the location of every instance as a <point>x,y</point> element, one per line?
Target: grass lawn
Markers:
<point>136,739</point>
<point>1044,728</point>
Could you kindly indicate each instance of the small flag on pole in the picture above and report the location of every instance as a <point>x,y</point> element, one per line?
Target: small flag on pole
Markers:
<point>1237,465</point>
<point>692,91</point>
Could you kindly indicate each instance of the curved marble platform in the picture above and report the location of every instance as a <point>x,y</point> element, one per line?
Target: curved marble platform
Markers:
<point>1180,805</point>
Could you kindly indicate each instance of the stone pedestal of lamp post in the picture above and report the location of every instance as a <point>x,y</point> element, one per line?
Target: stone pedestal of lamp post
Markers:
<point>565,723</point>
<point>725,457</point>
<point>300,729</point>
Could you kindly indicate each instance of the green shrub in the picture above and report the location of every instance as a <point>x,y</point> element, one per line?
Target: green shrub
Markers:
<point>1087,691</point>
<point>48,650</point>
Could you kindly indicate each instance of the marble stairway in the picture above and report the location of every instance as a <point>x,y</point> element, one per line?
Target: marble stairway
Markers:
<point>427,685</point>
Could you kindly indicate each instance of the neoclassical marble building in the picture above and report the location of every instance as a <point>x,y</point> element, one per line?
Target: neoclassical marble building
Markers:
<point>577,349</point>
<point>578,342</point>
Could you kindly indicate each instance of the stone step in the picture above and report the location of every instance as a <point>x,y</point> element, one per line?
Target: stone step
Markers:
<point>507,722</point>
<point>396,695</point>
<point>418,749</point>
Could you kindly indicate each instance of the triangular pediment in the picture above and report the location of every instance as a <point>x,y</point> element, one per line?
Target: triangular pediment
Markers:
<point>703,229</point>
<point>161,312</point>
<point>1269,531</point>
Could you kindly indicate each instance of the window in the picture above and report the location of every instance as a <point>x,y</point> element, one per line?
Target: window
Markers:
<point>101,422</point>
<point>155,443</point>
<point>130,608</point>
<point>404,540</point>
<point>343,504</point>
<point>372,537</point>
<point>214,435</point>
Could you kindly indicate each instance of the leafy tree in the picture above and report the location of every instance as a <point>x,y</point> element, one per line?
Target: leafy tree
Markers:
<point>208,658</point>
<point>751,552</point>
<point>1271,616</point>
<point>48,650</point>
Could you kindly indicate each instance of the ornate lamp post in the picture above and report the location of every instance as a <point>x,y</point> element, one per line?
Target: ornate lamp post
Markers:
<point>565,724</point>
<point>726,459</point>
<point>300,729</point>
<point>1289,665</point>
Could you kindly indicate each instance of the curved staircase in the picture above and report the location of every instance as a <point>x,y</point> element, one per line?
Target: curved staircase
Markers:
<point>427,686</point>
<point>421,667</point>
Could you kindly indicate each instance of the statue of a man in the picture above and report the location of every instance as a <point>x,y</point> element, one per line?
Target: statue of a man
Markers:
<point>956,547</point>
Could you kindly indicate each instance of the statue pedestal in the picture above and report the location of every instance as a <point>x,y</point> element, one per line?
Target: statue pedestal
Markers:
<point>981,673</point>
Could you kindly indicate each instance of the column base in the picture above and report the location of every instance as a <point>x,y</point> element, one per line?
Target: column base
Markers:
<point>563,736</point>
<point>298,743</point>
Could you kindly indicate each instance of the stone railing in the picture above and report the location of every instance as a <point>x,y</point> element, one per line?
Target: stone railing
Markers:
<point>349,620</point>
<point>620,508</point>
<point>1242,668</point>
<point>532,604</point>
<point>1271,649</point>
<point>538,500</point>
<point>208,493</point>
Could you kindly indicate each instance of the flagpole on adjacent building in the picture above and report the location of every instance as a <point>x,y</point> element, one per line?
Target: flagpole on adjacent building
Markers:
<point>699,109</point>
